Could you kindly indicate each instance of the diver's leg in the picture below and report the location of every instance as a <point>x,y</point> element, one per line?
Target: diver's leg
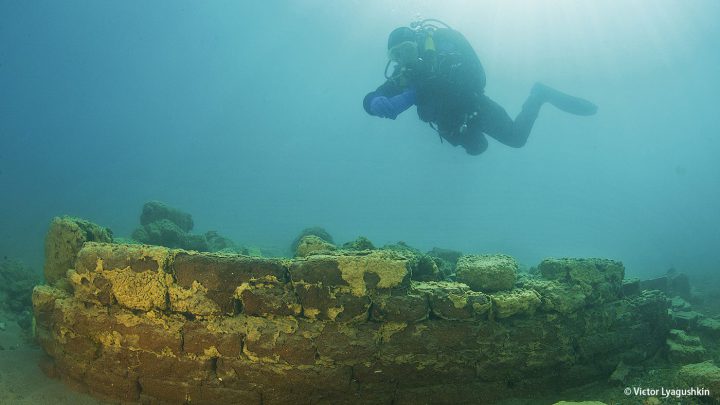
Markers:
<point>493,120</point>
<point>564,102</point>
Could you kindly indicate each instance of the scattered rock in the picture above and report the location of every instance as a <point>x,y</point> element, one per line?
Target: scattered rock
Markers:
<point>311,244</point>
<point>163,225</point>
<point>679,304</point>
<point>426,269</point>
<point>659,283</point>
<point>361,243</point>
<point>631,287</point>
<point>451,256</point>
<point>709,326</point>
<point>620,374</point>
<point>704,375</point>
<point>315,231</point>
<point>684,319</point>
<point>487,273</point>
<point>154,211</point>
<point>684,348</point>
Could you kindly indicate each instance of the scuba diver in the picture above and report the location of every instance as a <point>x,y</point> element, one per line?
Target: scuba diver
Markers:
<point>437,70</point>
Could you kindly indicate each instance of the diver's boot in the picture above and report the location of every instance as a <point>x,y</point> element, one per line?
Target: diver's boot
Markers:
<point>565,102</point>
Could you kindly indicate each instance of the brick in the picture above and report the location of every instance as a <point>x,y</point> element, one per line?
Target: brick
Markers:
<point>201,340</point>
<point>334,304</point>
<point>269,299</point>
<point>220,275</point>
<point>400,308</point>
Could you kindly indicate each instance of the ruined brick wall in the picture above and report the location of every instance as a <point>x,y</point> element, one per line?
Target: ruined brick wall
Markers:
<point>156,325</point>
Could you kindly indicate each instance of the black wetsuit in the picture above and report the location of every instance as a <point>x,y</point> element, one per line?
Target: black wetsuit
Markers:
<point>449,84</point>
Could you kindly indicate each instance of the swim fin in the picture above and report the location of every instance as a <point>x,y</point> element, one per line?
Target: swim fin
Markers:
<point>564,102</point>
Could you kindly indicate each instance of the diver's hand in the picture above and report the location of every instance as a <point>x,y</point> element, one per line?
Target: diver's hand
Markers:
<point>382,107</point>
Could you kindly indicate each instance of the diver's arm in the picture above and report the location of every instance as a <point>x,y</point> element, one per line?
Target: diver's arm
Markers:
<point>389,100</point>
<point>389,107</point>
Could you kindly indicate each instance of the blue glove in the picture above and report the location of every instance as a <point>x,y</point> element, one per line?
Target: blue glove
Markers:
<point>382,107</point>
<point>385,107</point>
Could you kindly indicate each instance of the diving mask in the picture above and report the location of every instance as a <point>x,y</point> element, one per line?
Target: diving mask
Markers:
<point>404,53</point>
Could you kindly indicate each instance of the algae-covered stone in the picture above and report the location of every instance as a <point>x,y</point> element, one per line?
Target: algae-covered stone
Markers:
<point>362,272</point>
<point>263,299</point>
<point>449,255</point>
<point>516,302</point>
<point>312,244</point>
<point>599,279</point>
<point>710,326</point>
<point>134,276</point>
<point>556,296</point>
<point>454,301</point>
<point>400,308</point>
<point>579,403</point>
<point>315,231</point>
<point>64,240</point>
<point>487,273</point>
<point>361,243</point>
<point>331,303</point>
<point>154,211</point>
<point>426,269</point>
<point>685,319</point>
<point>703,375</point>
<point>221,274</point>
<point>684,348</point>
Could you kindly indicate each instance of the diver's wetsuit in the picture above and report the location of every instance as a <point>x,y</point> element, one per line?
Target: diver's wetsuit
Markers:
<point>447,86</point>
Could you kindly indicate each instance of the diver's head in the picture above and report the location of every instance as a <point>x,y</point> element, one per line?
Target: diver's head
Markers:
<point>402,46</point>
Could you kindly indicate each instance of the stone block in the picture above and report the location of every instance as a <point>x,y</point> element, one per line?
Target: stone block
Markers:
<point>631,287</point>
<point>432,337</point>
<point>684,348</point>
<point>684,319</point>
<point>658,283</point>
<point>556,296</point>
<point>221,274</point>
<point>172,392</point>
<point>703,375</point>
<point>363,272</point>
<point>212,339</point>
<point>63,241</point>
<point>98,257</point>
<point>43,300</point>
<point>193,300</point>
<point>400,308</point>
<point>710,327</point>
<point>134,276</point>
<point>425,269</point>
<point>263,299</point>
<point>454,301</point>
<point>487,273</point>
<point>331,303</point>
<point>339,342</point>
<point>123,329</point>
<point>516,302</point>
<point>600,280</point>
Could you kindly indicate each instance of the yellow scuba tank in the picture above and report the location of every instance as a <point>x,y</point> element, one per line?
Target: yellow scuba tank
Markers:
<point>429,42</point>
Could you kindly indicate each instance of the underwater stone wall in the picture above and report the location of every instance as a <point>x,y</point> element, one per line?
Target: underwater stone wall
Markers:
<point>155,325</point>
